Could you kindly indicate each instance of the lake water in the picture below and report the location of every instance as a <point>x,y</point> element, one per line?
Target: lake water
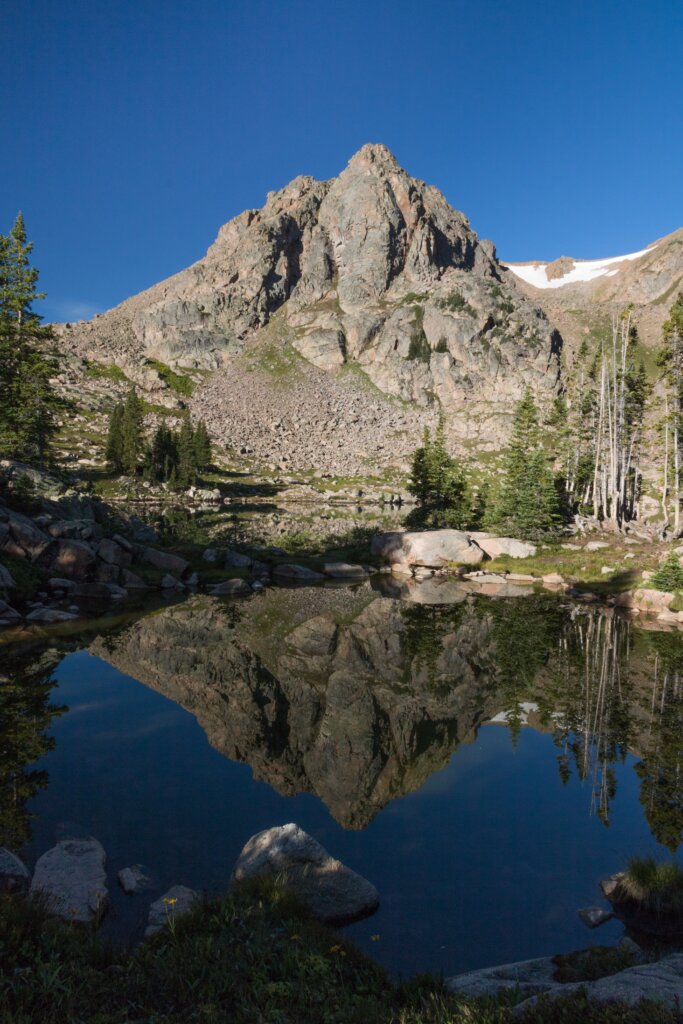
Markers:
<point>484,761</point>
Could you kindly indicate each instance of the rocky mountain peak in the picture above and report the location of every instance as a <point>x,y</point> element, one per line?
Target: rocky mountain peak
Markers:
<point>372,269</point>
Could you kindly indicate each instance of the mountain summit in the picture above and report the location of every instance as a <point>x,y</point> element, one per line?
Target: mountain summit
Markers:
<point>372,271</point>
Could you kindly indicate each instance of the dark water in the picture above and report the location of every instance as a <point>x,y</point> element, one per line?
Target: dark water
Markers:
<point>484,762</point>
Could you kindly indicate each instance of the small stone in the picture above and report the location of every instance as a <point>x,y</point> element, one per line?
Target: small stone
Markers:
<point>169,582</point>
<point>173,904</point>
<point>593,917</point>
<point>133,879</point>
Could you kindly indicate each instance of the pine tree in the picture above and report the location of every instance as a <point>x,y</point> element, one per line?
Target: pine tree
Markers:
<point>162,456</point>
<point>187,465</point>
<point>28,401</point>
<point>114,448</point>
<point>528,504</point>
<point>438,484</point>
<point>132,432</point>
<point>202,446</point>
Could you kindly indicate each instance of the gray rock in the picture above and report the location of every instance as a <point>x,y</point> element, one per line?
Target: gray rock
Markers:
<point>230,588</point>
<point>6,579</point>
<point>432,548</point>
<point>344,571</point>
<point>112,552</point>
<point>297,573</point>
<point>524,978</point>
<point>596,545</point>
<point>496,546</point>
<point>172,905</point>
<point>169,582</point>
<point>593,917</point>
<point>72,878</point>
<point>133,879</point>
<point>165,560</point>
<point>210,555</point>
<point>236,560</point>
<point>14,875</point>
<point>330,891</point>
<point>73,558</point>
<point>50,615</point>
<point>57,583</point>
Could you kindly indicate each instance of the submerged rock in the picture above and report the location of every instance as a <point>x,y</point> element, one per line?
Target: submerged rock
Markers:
<point>72,878</point>
<point>593,917</point>
<point>133,879</point>
<point>230,588</point>
<point>331,891</point>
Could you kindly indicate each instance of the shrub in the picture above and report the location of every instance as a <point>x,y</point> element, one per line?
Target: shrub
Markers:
<point>657,887</point>
<point>456,302</point>
<point>669,576</point>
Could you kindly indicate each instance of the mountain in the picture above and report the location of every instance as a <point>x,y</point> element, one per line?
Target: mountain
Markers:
<point>337,303</point>
<point>576,293</point>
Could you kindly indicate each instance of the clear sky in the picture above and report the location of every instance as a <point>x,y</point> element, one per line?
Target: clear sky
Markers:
<point>132,129</point>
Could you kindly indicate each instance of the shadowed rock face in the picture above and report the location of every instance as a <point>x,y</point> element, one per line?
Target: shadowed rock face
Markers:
<point>343,709</point>
<point>372,268</point>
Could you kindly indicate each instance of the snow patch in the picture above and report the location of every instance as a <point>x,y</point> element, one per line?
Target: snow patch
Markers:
<point>582,270</point>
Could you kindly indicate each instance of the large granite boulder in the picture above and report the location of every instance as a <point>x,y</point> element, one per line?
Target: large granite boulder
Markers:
<point>72,879</point>
<point>326,887</point>
<point>6,578</point>
<point>72,558</point>
<point>432,548</point>
<point>113,553</point>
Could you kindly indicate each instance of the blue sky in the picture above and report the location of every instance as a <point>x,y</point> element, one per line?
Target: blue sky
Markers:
<point>133,130</point>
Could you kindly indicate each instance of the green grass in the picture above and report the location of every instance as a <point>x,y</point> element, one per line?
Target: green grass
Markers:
<point>105,371</point>
<point>656,886</point>
<point>178,382</point>
<point>250,957</point>
<point>592,963</point>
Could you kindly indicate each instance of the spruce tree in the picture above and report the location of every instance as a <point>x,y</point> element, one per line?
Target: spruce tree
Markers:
<point>28,401</point>
<point>202,446</point>
<point>162,457</point>
<point>187,465</point>
<point>132,432</point>
<point>528,505</point>
<point>438,484</point>
<point>114,448</point>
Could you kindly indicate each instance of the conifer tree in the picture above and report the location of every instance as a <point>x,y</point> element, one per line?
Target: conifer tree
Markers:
<point>438,484</point>
<point>132,432</point>
<point>187,466</point>
<point>114,448</point>
<point>162,456</point>
<point>528,505</point>
<point>27,400</point>
<point>202,446</point>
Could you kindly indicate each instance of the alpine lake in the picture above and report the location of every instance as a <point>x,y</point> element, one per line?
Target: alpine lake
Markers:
<point>483,758</point>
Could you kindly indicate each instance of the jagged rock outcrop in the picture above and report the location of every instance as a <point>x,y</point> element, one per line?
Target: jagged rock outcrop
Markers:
<point>372,269</point>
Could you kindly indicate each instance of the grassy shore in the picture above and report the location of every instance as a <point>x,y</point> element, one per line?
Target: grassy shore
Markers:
<point>249,958</point>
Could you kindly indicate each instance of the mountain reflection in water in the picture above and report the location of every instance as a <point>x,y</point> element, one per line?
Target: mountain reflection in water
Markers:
<point>358,698</point>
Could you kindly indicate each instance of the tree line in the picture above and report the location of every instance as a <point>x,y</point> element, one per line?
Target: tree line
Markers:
<point>172,457</point>
<point>586,457</point>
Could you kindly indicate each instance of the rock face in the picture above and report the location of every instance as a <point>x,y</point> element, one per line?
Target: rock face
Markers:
<point>331,891</point>
<point>432,548</point>
<point>372,269</point>
<point>493,547</point>
<point>72,877</point>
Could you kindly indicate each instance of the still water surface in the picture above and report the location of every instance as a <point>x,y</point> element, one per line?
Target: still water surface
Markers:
<point>483,761</point>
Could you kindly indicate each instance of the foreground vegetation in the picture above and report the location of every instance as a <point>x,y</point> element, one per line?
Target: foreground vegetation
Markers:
<point>250,957</point>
